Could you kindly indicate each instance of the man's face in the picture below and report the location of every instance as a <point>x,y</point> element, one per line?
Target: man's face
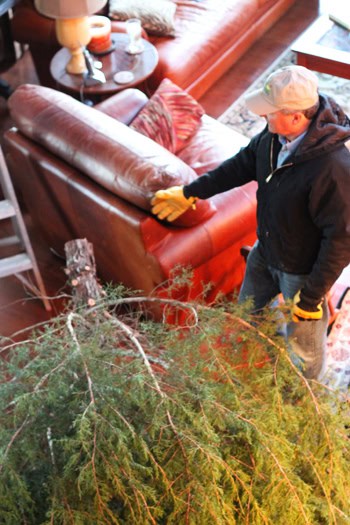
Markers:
<point>280,123</point>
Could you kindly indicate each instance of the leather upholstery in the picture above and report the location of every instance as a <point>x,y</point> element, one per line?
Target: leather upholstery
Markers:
<point>130,102</point>
<point>210,37</point>
<point>131,246</point>
<point>117,157</point>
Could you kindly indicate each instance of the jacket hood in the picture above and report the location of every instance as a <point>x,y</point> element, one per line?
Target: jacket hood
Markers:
<point>329,130</point>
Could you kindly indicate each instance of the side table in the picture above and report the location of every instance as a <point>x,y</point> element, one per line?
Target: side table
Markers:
<point>324,47</point>
<point>141,65</point>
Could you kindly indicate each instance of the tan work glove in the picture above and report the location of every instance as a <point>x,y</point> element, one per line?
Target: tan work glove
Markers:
<point>300,314</point>
<point>171,203</point>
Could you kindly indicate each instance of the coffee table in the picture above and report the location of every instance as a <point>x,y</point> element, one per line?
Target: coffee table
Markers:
<point>141,65</point>
<point>324,47</point>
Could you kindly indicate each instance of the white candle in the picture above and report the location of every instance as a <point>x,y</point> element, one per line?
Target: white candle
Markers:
<point>100,30</point>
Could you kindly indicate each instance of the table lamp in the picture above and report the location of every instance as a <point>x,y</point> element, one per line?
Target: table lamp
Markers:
<point>72,26</point>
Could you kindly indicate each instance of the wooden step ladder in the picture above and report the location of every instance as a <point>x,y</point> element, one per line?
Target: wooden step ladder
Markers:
<point>24,261</point>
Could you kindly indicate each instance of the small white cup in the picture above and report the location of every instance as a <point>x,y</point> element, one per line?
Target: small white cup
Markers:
<point>134,30</point>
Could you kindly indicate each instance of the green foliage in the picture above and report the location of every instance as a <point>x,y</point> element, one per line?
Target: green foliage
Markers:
<point>110,418</point>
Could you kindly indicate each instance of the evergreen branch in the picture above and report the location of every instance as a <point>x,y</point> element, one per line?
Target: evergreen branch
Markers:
<point>214,458</point>
<point>133,433</point>
<point>271,436</point>
<point>132,502</point>
<point>25,299</point>
<point>50,444</point>
<point>342,395</point>
<point>146,506</point>
<point>325,492</point>
<point>37,337</point>
<point>188,504</point>
<point>276,383</point>
<point>144,299</point>
<point>223,369</point>
<point>341,513</point>
<point>228,469</point>
<point>280,468</point>
<point>11,442</point>
<point>135,491</point>
<point>101,503</point>
<point>130,353</point>
<point>181,455</point>
<point>46,376</point>
<point>247,520</point>
<point>306,383</point>
<point>103,508</point>
<point>147,364</point>
<point>302,378</point>
<point>71,330</point>
<point>128,331</point>
<point>119,415</point>
<point>69,510</point>
<point>250,467</point>
<point>275,459</point>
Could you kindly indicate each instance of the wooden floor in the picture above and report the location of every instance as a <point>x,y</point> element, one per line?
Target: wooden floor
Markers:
<point>19,311</point>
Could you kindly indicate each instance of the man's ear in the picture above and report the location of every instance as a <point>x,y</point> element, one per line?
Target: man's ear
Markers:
<point>297,117</point>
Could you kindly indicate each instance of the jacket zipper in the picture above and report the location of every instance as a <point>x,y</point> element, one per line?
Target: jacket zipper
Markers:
<point>273,171</point>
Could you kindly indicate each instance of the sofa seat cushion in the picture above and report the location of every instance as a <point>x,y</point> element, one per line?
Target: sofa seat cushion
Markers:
<point>212,144</point>
<point>170,117</point>
<point>118,158</point>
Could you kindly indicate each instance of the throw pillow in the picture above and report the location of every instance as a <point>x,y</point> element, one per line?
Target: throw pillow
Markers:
<point>157,16</point>
<point>170,117</point>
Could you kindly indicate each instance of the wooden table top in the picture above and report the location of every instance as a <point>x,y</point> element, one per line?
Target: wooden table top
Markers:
<point>141,65</point>
<point>324,47</point>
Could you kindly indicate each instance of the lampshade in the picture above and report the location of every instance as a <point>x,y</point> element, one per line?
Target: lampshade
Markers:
<point>68,8</point>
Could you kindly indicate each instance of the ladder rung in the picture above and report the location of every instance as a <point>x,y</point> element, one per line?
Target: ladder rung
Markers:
<point>6,209</point>
<point>15,264</point>
<point>22,262</point>
<point>9,241</point>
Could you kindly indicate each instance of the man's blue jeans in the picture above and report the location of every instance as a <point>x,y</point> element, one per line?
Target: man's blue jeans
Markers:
<point>306,339</point>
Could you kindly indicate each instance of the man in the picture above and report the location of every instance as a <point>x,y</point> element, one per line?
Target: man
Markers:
<point>302,168</point>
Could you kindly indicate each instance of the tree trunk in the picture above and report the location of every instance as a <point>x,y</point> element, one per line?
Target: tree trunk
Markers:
<point>81,271</point>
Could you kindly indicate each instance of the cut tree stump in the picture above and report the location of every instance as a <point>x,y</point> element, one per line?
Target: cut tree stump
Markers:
<point>81,271</point>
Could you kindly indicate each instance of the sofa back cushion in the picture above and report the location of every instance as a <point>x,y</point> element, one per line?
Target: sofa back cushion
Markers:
<point>118,158</point>
<point>157,16</point>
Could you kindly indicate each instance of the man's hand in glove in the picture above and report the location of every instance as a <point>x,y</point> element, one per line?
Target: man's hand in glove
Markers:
<point>302,312</point>
<point>171,203</point>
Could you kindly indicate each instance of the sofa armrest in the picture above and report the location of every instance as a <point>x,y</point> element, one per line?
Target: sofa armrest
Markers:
<point>112,154</point>
<point>123,106</point>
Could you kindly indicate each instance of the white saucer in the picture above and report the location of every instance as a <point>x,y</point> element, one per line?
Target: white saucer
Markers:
<point>123,77</point>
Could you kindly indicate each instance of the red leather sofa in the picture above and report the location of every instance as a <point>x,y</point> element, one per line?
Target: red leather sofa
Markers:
<point>82,172</point>
<point>210,35</point>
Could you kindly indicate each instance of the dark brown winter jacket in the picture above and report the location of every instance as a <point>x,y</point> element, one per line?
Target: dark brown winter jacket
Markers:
<point>303,207</point>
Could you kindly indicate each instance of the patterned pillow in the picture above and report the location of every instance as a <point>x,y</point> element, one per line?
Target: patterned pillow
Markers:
<point>170,117</point>
<point>157,16</point>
